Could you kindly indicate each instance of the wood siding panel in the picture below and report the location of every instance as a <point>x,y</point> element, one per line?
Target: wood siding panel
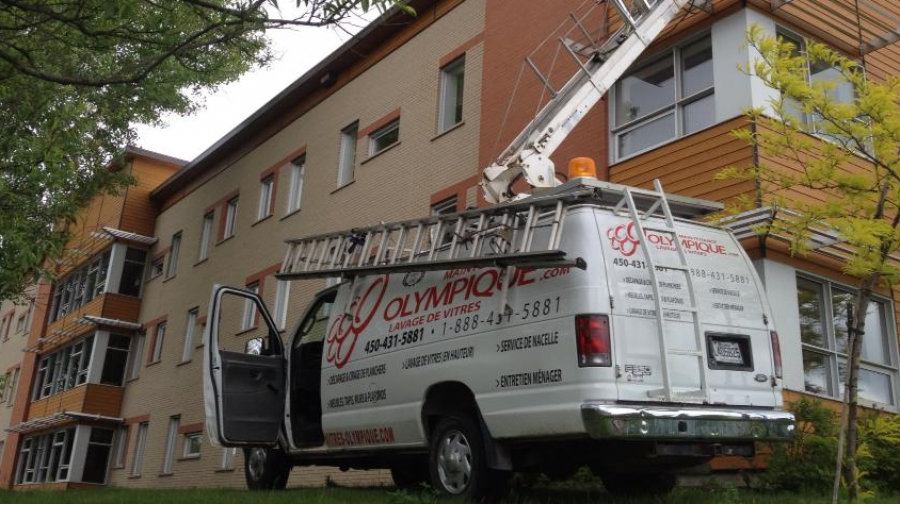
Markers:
<point>87,398</point>
<point>689,166</point>
<point>138,212</point>
<point>123,307</point>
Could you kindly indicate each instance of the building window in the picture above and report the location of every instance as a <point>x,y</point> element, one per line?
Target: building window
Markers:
<point>453,77</point>
<point>116,360</point>
<point>206,235</point>
<point>137,462</point>
<point>192,442</point>
<point>79,287</point>
<point>384,137</point>
<point>817,71</point>
<point>158,340</point>
<point>228,458</point>
<point>298,166</point>
<point>823,331</point>
<point>347,160</point>
<point>230,218</point>
<point>12,386</point>
<point>20,323</point>
<point>45,457</point>
<point>63,369</point>
<point>133,272</point>
<point>171,438</point>
<point>121,447</point>
<point>282,295</point>
<point>134,358</point>
<point>4,385</point>
<point>189,329</point>
<point>266,193</point>
<point>248,320</point>
<point>96,460</point>
<point>173,255</point>
<point>157,266</point>
<point>668,97</point>
<point>444,207</point>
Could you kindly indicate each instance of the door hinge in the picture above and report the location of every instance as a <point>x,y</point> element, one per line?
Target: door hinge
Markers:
<point>612,302</point>
<point>765,319</point>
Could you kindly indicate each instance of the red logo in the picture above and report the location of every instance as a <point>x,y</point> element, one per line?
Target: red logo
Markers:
<point>347,327</point>
<point>623,239</point>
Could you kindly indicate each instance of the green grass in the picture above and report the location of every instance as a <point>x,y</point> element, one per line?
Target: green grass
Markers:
<point>537,494</point>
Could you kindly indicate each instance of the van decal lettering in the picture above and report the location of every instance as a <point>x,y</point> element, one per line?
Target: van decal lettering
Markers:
<point>528,342</point>
<point>370,436</point>
<point>534,378</point>
<point>352,375</point>
<point>374,396</point>
<point>436,358</point>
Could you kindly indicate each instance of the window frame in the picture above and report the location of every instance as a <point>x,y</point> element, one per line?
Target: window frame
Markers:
<point>231,210</point>
<point>676,108</point>
<point>190,328</point>
<point>159,337</point>
<point>206,234</point>
<point>295,191</point>
<point>168,466</point>
<point>174,249</point>
<point>250,313</point>
<point>71,291</point>
<point>387,129</point>
<point>446,74</point>
<point>347,154</point>
<point>266,197</point>
<point>140,445</point>
<point>186,444</point>
<point>55,369</point>
<point>834,357</point>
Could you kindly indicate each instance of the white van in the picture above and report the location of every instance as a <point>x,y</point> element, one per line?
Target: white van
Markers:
<point>457,377</point>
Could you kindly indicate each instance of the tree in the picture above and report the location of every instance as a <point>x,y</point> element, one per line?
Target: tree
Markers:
<point>76,74</point>
<point>848,152</point>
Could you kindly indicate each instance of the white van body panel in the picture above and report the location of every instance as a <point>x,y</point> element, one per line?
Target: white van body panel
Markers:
<point>392,337</point>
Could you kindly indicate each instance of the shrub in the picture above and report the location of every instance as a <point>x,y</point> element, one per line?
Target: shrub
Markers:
<point>807,461</point>
<point>879,450</point>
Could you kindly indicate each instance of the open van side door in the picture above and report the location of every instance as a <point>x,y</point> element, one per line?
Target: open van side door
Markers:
<point>244,390</point>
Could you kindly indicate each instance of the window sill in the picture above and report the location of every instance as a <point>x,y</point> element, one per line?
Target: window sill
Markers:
<point>448,130</point>
<point>169,474</point>
<point>134,476</point>
<point>132,379</point>
<point>188,458</point>
<point>154,277</point>
<point>182,363</point>
<point>224,470</point>
<point>226,239</point>
<point>618,161</point>
<point>379,153</point>
<point>248,330</point>
<point>335,190</point>
<point>200,262</point>
<point>291,213</point>
<point>167,279</point>
<point>151,363</point>
<point>199,346</point>
<point>260,220</point>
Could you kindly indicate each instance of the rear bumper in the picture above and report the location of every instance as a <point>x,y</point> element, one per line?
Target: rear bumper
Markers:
<point>646,422</point>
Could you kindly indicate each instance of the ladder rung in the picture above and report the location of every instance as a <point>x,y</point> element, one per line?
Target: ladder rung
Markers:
<point>660,229</point>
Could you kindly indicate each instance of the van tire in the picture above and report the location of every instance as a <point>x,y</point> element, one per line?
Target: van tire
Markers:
<point>639,484</point>
<point>266,468</point>
<point>458,463</point>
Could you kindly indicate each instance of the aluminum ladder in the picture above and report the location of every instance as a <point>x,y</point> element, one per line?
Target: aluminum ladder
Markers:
<point>641,226</point>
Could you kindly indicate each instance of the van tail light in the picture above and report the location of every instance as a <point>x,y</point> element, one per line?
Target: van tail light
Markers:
<point>776,353</point>
<point>592,336</point>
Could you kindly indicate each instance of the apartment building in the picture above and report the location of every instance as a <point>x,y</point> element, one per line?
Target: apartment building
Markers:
<point>397,123</point>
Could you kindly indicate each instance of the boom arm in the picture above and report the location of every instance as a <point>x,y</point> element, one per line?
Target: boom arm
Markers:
<point>529,154</point>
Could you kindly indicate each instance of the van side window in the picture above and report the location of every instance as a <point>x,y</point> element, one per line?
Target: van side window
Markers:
<point>316,325</point>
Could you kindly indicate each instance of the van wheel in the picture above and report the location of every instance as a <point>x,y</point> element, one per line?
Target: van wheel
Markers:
<point>639,484</point>
<point>266,468</point>
<point>457,461</point>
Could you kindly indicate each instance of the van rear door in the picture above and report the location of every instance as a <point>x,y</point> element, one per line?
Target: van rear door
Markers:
<point>731,306</point>
<point>243,370</point>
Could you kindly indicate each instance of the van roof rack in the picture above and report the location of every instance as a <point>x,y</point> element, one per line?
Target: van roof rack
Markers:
<point>499,236</point>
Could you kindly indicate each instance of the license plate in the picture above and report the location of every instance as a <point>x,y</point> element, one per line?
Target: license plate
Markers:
<point>727,352</point>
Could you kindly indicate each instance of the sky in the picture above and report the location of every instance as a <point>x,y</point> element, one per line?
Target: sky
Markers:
<point>296,51</point>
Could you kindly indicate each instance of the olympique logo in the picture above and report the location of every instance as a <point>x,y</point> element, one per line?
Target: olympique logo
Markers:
<point>345,330</point>
<point>623,239</point>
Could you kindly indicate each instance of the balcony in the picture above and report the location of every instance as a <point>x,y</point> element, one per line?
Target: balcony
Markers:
<point>87,398</point>
<point>108,305</point>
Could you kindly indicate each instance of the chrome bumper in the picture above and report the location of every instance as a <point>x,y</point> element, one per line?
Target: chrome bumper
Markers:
<point>645,422</point>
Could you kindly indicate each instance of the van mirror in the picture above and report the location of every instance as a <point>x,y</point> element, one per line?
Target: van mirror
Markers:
<point>254,346</point>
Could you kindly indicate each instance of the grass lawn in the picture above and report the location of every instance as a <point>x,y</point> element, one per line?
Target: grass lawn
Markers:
<point>539,494</point>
